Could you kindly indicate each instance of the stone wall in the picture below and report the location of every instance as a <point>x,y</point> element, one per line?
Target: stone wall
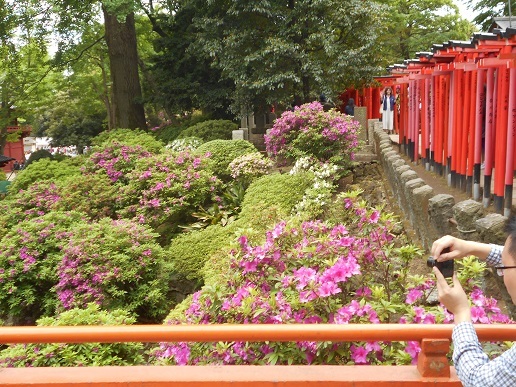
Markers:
<point>434,215</point>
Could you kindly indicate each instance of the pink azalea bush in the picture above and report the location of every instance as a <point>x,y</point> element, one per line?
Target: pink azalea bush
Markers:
<point>312,272</point>
<point>29,256</point>
<point>164,189</point>
<point>310,131</point>
<point>36,200</point>
<point>117,160</point>
<point>61,261</point>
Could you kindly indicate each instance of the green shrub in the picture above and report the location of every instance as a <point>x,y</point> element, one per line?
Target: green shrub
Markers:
<point>171,132</point>
<point>130,137</point>
<point>29,256</point>
<point>44,169</point>
<point>188,252</point>
<point>77,355</point>
<point>3,176</point>
<point>283,191</point>
<point>211,130</point>
<point>223,152</point>
<point>38,155</point>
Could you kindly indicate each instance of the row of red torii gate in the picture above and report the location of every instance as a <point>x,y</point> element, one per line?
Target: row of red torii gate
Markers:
<point>456,113</point>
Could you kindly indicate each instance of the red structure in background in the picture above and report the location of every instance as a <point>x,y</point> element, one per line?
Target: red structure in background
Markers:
<point>457,112</point>
<point>16,149</point>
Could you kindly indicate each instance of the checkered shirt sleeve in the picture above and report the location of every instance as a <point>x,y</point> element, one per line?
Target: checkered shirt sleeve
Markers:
<point>472,364</point>
<point>495,256</point>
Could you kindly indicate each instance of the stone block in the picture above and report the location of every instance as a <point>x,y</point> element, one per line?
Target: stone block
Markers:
<point>361,117</point>
<point>466,213</point>
<point>237,134</point>
<point>440,211</point>
<point>491,229</point>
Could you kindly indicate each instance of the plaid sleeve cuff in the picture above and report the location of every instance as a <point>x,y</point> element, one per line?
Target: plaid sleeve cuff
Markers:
<point>495,255</point>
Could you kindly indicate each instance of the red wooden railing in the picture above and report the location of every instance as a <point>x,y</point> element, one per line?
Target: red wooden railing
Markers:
<point>432,368</point>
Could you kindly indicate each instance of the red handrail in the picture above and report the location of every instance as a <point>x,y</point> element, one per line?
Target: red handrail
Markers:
<point>245,332</point>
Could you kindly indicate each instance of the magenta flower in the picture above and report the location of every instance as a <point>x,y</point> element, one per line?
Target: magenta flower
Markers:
<point>359,354</point>
<point>413,348</point>
<point>478,314</point>
<point>413,295</point>
<point>328,289</point>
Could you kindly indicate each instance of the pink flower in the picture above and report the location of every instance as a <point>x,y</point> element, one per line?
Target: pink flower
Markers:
<point>328,288</point>
<point>359,354</point>
<point>413,350</point>
<point>478,314</point>
<point>413,295</point>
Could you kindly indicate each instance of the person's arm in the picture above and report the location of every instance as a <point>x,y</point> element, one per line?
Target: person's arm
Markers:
<point>471,363</point>
<point>474,367</point>
<point>459,248</point>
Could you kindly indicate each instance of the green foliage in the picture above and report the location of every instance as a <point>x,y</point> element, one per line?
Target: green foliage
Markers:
<point>276,50</point>
<point>128,137</point>
<point>77,355</point>
<point>44,169</point>
<point>210,130</point>
<point>283,191</point>
<point>3,176</point>
<point>38,155</point>
<point>170,132</point>
<point>184,80</point>
<point>223,152</point>
<point>189,252</point>
<point>30,253</point>
<point>414,26</point>
<point>486,10</point>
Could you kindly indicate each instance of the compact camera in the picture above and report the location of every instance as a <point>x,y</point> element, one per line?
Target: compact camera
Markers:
<point>446,267</point>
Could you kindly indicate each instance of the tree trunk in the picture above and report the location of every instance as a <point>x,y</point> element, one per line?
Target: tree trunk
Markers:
<point>123,62</point>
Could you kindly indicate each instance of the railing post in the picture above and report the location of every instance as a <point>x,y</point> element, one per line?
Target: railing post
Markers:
<point>432,361</point>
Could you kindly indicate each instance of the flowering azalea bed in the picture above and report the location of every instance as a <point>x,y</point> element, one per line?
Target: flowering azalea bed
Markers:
<point>118,231</point>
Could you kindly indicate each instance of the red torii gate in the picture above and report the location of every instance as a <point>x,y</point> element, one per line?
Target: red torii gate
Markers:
<point>457,106</point>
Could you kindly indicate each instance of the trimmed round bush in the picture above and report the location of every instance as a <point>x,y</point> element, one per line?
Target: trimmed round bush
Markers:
<point>282,191</point>
<point>223,152</point>
<point>44,169</point>
<point>189,252</point>
<point>211,130</point>
<point>128,137</point>
<point>38,155</point>
<point>77,355</point>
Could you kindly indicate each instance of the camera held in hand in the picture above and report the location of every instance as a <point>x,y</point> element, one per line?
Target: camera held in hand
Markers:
<point>446,267</point>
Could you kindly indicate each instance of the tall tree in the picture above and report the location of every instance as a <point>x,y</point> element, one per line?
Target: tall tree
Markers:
<point>486,10</point>
<point>184,80</point>
<point>126,91</point>
<point>22,62</point>
<point>414,25</point>
<point>277,50</point>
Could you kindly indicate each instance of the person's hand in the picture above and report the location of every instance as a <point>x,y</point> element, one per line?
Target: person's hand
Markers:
<point>453,297</point>
<point>456,248</point>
